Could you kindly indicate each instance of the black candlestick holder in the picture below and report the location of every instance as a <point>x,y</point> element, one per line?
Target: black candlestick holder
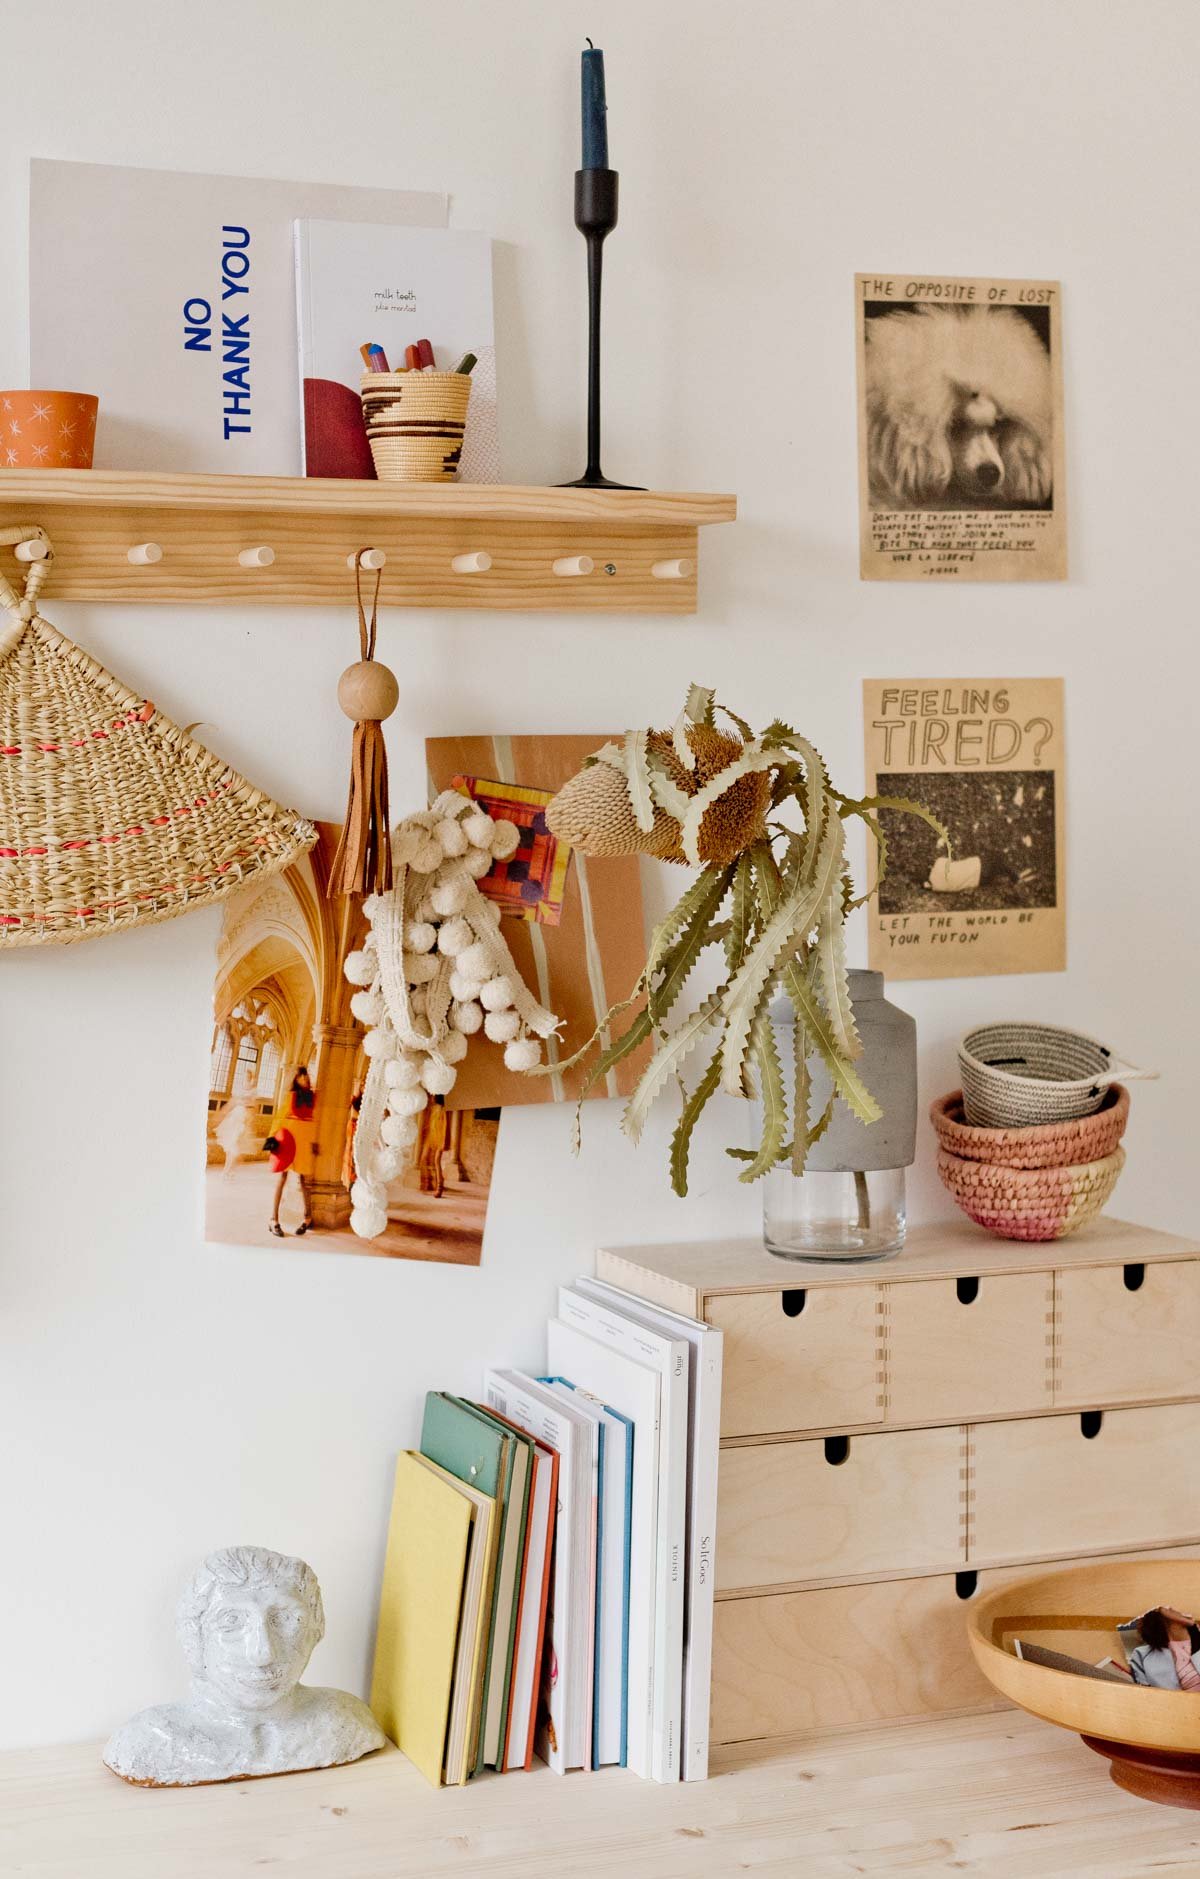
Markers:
<point>595,217</point>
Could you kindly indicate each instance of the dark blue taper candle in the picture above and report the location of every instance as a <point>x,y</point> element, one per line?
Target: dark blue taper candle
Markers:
<point>595,110</point>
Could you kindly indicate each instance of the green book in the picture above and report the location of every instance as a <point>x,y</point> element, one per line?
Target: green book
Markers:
<point>510,1580</point>
<point>468,1444</point>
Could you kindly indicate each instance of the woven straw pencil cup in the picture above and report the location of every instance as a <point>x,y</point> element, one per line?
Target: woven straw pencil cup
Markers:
<point>415,423</point>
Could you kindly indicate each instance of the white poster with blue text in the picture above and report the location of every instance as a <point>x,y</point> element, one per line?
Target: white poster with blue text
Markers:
<point>172,297</point>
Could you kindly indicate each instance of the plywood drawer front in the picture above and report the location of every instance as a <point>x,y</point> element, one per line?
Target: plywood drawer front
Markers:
<point>842,1656</point>
<point>811,1368</point>
<point>1041,1488</point>
<point>958,1348</point>
<point>1125,1342</point>
<point>787,1513</point>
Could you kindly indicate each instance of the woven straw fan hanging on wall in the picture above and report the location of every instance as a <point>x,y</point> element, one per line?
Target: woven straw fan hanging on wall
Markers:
<point>110,815</point>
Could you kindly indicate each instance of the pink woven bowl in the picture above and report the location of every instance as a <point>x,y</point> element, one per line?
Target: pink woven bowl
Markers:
<point>1047,1145</point>
<point>1030,1203</point>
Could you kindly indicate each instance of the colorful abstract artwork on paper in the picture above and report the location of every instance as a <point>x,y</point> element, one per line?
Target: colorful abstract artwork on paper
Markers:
<point>532,883</point>
<point>573,923</point>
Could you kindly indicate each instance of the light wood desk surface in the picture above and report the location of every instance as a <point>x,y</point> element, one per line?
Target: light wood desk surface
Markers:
<point>1000,1795</point>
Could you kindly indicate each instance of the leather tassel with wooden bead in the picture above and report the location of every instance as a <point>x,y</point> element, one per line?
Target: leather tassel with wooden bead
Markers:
<point>368,693</point>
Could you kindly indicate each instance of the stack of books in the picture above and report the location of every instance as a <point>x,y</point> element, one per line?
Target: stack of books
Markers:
<point>548,1587</point>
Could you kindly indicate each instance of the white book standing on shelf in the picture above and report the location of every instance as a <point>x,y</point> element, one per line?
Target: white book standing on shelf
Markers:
<point>564,1734</point>
<point>634,1387</point>
<point>669,1357</point>
<point>704,1435</point>
<point>393,285</point>
<point>610,1722</point>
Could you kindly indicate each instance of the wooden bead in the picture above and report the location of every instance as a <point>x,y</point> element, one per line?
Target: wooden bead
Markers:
<point>368,692</point>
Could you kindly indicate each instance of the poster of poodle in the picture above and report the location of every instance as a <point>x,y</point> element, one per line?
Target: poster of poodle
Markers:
<point>985,758</point>
<point>960,429</point>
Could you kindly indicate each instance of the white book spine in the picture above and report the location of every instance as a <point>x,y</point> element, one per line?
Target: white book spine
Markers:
<point>303,324</point>
<point>706,1445</point>
<point>704,1414</point>
<point>635,1389</point>
<point>670,1357</point>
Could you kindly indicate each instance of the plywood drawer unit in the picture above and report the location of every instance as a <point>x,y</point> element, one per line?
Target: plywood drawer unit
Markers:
<point>799,1358</point>
<point>897,1436</point>
<point>966,1347</point>
<point>1080,1484</point>
<point>840,1508</point>
<point>1127,1334</point>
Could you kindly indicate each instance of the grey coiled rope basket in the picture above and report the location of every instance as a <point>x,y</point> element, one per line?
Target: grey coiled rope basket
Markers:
<point>1020,1075</point>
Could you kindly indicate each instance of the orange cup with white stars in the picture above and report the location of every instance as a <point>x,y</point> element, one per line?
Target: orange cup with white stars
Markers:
<point>47,430</point>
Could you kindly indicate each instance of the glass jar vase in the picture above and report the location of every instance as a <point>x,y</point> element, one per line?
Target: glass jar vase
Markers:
<point>849,1202</point>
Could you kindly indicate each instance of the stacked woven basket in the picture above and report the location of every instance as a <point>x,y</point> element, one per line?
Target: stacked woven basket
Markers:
<point>1030,1147</point>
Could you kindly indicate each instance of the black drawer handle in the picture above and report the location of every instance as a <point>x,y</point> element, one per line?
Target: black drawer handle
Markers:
<point>837,1447</point>
<point>965,1584</point>
<point>1090,1422</point>
<point>967,1289</point>
<point>793,1301</point>
<point>1135,1277</point>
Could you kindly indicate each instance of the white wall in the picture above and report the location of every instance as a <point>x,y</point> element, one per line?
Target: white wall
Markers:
<point>159,1396</point>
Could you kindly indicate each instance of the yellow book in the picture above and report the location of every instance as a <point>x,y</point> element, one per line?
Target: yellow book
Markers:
<point>467,1696</point>
<point>419,1604</point>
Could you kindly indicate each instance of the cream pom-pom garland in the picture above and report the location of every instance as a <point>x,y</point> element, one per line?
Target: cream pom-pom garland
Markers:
<point>434,972</point>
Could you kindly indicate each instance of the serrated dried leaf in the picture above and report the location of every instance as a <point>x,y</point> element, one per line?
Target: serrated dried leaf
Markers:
<point>846,1081</point>
<point>681,915</point>
<point>789,924</point>
<point>679,738</point>
<point>771,1093</point>
<point>637,772</point>
<point>699,704</point>
<point>834,981</point>
<point>605,1024</point>
<point>801,1095</point>
<point>822,1123</point>
<point>666,1060</point>
<point>681,962</point>
<point>903,805</point>
<point>743,729</point>
<point>611,754</point>
<point>681,1141</point>
<point>741,913</point>
<point>663,787</point>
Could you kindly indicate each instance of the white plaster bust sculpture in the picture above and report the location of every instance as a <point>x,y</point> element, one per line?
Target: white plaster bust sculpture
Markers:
<point>248,1623</point>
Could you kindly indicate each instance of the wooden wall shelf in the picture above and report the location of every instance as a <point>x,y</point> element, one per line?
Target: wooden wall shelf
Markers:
<point>203,524</point>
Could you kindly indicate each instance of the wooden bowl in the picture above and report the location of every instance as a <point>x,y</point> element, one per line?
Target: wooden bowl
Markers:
<point>1151,1737</point>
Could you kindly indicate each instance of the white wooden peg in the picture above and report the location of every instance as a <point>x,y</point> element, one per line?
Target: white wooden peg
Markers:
<point>256,557</point>
<point>370,558</point>
<point>35,549</point>
<point>574,564</point>
<point>471,564</point>
<point>673,570</point>
<point>144,554</point>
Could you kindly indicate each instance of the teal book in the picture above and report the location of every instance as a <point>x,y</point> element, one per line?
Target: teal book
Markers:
<point>509,1582</point>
